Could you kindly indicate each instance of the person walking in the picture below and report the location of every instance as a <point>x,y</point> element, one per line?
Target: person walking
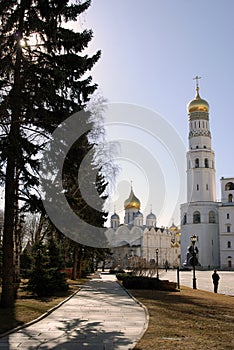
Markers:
<point>215,278</point>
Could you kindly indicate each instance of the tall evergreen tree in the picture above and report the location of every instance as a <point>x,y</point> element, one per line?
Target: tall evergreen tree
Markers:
<point>40,86</point>
<point>25,263</point>
<point>40,275</point>
<point>46,277</point>
<point>56,263</point>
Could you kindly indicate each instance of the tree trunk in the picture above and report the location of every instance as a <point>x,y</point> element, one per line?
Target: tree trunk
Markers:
<point>17,245</point>
<point>8,270</point>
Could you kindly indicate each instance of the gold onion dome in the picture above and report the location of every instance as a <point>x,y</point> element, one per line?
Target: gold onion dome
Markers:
<point>132,201</point>
<point>173,228</point>
<point>198,104</point>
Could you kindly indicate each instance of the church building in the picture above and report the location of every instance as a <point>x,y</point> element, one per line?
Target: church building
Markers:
<point>211,221</point>
<point>144,241</point>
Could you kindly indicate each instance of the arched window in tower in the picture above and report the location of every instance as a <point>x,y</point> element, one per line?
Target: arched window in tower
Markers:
<point>184,221</point>
<point>196,217</point>
<point>206,163</point>
<point>229,186</point>
<point>211,217</point>
<point>230,198</point>
<point>197,163</point>
<point>228,228</point>
<point>229,244</point>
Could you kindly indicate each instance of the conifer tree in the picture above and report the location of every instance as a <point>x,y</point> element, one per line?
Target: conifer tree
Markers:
<point>41,84</point>
<point>25,263</point>
<point>39,277</point>
<point>56,263</point>
<point>46,277</point>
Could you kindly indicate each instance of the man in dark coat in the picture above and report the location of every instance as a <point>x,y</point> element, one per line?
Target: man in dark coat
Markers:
<point>215,278</point>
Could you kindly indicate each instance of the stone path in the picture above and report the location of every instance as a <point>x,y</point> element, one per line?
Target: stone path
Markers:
<point>203,278</point>
<point>101,316</point>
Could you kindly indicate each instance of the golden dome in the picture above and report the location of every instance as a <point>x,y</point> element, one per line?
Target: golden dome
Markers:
<point>175,229</point>
<point>198,104</point>
<point>132,201</point>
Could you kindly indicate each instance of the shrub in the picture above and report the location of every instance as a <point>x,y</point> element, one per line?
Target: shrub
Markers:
<point>115,271</point>
<point>120,276</point>
<point>140,282</point>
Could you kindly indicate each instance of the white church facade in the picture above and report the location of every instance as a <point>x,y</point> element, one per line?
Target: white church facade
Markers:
<point>144,242</point>
<point>226,223</point>
<point>211,221</point>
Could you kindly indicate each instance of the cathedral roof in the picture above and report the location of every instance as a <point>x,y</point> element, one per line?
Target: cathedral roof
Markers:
<point>132,201</point>
<point>114,216</point>
<point>198,104</point>
<point>151,216</point>
<point>138,214</point>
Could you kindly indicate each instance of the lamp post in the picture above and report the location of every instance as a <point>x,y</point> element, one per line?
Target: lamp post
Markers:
<point>156,251</point>
<point>193,259</point>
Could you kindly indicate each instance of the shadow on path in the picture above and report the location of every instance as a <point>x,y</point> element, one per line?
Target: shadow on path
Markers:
<point>100,316</point>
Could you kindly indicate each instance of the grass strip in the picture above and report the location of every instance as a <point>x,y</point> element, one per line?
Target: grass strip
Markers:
<point>189,319</point>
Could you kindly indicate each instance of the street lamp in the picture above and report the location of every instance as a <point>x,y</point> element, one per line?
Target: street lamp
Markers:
<point>193,260</point>
<point>156,251</point>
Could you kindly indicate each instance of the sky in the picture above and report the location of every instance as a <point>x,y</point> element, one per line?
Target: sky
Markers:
<point>151,51</point>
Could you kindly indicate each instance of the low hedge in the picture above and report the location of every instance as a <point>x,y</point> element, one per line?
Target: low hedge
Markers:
<point>121,276</point>
<point>116,271</point>
<point>142,282</point>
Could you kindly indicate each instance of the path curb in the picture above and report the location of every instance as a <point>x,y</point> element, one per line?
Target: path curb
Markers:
<point>47,313</point>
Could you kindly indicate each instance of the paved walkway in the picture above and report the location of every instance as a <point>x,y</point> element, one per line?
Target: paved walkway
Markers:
<point>203,278</point>
<point>101,316</point>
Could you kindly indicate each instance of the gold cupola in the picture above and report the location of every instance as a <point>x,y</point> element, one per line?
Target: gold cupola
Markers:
<point>198,104</point>
<point>132,202</point>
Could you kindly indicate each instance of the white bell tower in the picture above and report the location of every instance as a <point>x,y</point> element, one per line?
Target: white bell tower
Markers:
<point>201,184</point>
<point>199,215</point>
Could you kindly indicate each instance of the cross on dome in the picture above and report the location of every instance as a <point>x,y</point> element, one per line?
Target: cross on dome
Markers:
<point>197,78</point>
<point>198,104</point>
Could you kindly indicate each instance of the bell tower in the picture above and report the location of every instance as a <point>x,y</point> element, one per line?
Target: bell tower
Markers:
<point>201,184</point>
<point>199,216</point>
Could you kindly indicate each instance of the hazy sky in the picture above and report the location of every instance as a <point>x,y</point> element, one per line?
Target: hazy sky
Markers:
<point>151,51</point>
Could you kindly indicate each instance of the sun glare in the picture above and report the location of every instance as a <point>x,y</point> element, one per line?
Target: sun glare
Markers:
<point>32,40</point>
<point>22,43</point>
